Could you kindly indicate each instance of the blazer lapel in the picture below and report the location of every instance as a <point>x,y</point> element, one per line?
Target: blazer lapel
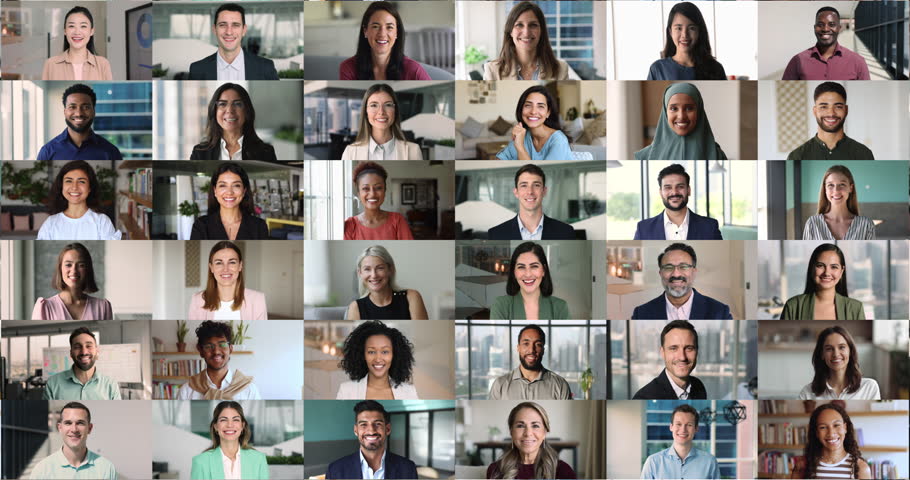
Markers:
<point>248,468</point>
<point>401,150</point>
<point>216,465</point>
<point>657,227</point>
<point>698,307</point>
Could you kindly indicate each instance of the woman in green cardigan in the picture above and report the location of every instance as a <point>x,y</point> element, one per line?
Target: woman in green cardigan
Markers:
<point>825,296</point>
<point>529,288</point>
<point>230,456</point>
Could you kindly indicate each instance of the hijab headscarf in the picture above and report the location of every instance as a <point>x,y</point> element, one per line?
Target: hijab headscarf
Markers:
<point>699,144</point>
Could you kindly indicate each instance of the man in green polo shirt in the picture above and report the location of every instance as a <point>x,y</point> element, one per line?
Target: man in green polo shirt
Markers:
<point>82,381</point>
<point>831,143</point>
<point>74,460</point>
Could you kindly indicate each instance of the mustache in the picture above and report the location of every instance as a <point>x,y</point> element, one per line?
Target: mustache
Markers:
<point>671,197</point>
<point>678,279</point>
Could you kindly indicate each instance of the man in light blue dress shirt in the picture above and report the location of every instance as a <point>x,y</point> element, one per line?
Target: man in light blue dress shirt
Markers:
<point>681,461</point>
<point>74,459</point>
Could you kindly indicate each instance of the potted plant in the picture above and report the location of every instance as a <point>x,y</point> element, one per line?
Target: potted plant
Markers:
<point>444,149</point>
<point>493,431</point>
<point>181,335</point>
<point>475,57</point>
<point>19,184</point>
<point>240,335</point>
<point>188,212</point>
<point>586,382</point>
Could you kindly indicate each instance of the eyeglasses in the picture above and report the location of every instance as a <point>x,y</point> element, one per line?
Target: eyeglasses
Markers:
<point>222,104</point>
<point>683,267</point>
<point>208,347</point>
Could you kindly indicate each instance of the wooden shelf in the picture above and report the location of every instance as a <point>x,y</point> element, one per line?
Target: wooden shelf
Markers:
<point>773,475</point>
<point>167,377</point>
<point>144,200</point>
<point>134,164</point>
<point>132,228</point>
<point>889,413</point>
<point>243,352</point>
<point>867,448</point>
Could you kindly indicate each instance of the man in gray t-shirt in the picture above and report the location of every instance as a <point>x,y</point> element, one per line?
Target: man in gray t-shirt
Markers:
<point>530,381</point>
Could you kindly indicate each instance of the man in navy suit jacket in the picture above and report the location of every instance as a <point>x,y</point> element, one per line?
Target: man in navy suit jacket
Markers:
<point>676,222</point>
<point>680,300</point>
<point>679,349</point>
<point>372,426</point>
<point>229,29</point>
<point>531,223</point>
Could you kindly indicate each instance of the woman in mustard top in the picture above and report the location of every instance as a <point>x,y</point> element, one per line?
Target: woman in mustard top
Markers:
<point>529,289</point>
<point>78,60</point>
<point>230,456</point>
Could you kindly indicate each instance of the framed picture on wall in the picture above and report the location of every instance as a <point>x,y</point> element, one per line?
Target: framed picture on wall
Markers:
<point>408,194</point>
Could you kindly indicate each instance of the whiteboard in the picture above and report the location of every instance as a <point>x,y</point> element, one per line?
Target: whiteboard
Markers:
<point>120,361</point>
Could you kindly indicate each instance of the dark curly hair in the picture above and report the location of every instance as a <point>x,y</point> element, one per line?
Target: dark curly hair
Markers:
<point>211,328</point>
<point>813,451</point>
<point>354,363</point>
<point>58,203</point>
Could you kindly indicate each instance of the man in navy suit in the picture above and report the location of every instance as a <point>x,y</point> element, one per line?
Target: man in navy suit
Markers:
<point>531,223</point>
<point>679,349</point>
<point>676,222</point>
<point>680,301</point>
<point>372,427</point>
<point>232,62</point>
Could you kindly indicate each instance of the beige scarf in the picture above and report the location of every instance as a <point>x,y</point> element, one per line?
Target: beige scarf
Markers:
<point>200,383</point>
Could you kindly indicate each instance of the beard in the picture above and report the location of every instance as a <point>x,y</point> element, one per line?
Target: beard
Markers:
<point>531,366</point>
<point>84,367</point>
<point>682,205</point>
<point>833,129</point>
<point>82,129</point>
<point>677,292</point>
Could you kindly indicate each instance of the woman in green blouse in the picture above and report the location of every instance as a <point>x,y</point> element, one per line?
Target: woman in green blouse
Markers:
<point>529,289</point>
<point>825,296</point>
<point>231,455</point>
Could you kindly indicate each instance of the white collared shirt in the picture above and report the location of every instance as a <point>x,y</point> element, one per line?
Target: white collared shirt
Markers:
<point>235,71</point>
<point>231,469</point>
<point>386,151</point>
<point>673,232</point>
<point>683,312</point>
<point>537,234</point>
<point>368,472</point>
<point>238,155</point>
<point>680,393</point>
<point>868,390</point>
<point>251,392</point>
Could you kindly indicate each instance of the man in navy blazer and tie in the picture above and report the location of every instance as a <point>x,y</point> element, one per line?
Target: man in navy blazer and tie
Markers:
<point>232,62</point>
<point>680,301</point>
<point>676,222</point>
<point>372,427</point>
<point>531,223</point>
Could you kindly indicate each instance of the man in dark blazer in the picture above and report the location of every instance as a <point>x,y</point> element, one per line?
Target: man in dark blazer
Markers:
<point>677,221</point>
<point>680,300</point>
<point>679,349</point>
<point>530,223</point>
<point>231,61</point>
<point>372,426</point>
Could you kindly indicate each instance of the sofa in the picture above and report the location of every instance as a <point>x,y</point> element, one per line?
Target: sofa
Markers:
<point>587,135</point>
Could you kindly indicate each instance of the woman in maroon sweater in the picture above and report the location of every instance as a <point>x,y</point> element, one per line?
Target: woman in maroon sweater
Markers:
<point>529,456</point>
<point>380,49</point>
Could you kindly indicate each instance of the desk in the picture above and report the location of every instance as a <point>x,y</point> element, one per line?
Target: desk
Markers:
<point>488,150</point>
<point>557,445</point>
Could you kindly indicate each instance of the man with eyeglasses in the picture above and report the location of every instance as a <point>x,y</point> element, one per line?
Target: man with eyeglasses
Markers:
<point>681,460</point>
<point>677,221</point>
<point>680,300</point>
<point>217,381</point>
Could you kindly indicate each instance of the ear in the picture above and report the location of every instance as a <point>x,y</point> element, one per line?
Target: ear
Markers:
<point>388,429</point>
<point>91,426</point>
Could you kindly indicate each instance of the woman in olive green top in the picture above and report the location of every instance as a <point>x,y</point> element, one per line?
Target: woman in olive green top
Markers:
<point>825,296</point>
<point>529,288</point>
<point>231,455</point>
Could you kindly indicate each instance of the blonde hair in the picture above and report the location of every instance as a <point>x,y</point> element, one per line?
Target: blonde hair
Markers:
<point>824,206</point>
<point>547,460</point>
<point>380,252</point>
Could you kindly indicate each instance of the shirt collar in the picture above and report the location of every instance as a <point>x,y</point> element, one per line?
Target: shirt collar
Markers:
<point>388,148</point>
<point>61,460</point>
<point>534,75</point>
<point>815,53</point>
<point>685,307</point>
<point>222,63</point>
<point>224,144</point>
<point>65,138</point>
<point>516,375</point>
<point>364,465</point>
<point>825,145</point>
<point>671,452</point>
<point>89,59</point>
<point>522,229</point>
<point>226,382</point>
<point>667,220</point>
<point>71,375</point>
<point>678,390</point>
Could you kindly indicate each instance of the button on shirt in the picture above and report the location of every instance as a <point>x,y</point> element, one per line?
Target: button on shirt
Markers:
<point>238,155</point>
<point>666,464</point>
<point>233,71</point>
<point>846,149</point>
<point>844,64</point>
<point>681,313</point>
<point>65,386</point>
<point>680,393</point>
<point>547,386</point>
<point>526,234</point>
<point>95,147</point>
<point>231,468</point>
<point>56,466</point>
<point>673,232</point>
<point>368,472</point>
<point>385,151</point>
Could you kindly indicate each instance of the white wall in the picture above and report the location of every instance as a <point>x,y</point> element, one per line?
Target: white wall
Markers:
<point>128,266</point>
<point>507,94</point>
<point>276,363</point>
<point>625,425</point>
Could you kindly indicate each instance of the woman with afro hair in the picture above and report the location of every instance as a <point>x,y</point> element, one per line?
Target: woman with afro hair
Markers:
<point>378,359</point>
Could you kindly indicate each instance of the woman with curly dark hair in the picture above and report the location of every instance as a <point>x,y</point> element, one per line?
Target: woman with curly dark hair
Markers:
<point>75,207</point>
<point>832,451</point>
<point>378,359</point>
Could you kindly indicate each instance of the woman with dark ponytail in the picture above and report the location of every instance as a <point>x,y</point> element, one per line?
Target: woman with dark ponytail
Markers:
<point>78,60</point>
<point>687,48</point>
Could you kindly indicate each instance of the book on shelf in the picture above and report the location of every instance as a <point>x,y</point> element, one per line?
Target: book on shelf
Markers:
<point>773,407</point>
<point>165,390</point>
<point>884,470</point>
<point>177,368</point>
<point>780,463</point>
<point>783,434</point>
<point>141,181</point>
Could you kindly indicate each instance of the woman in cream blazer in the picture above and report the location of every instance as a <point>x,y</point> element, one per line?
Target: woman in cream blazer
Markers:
<point>380,124</point>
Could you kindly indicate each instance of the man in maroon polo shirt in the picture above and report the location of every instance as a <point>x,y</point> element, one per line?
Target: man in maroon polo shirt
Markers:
<point>827,60</point>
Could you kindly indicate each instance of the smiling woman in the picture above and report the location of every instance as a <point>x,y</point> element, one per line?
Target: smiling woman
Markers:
<point>74,207</point>
<point>526,53</point>
<point>529,455</point>
<point>374,223</point>
<point>380,48</point>
<point>78,60</point>
<point>379,135</point>
<point>231,215</point>
<point>378,360</point>
<point>225,297</point>
<point>381,299</point>
<point>683,130</point>
<point>74,277</point>
<point>230,455</point>
<point>230,132</point>
<point>536,135</point>
<point>529,289</point>
<point>825,295</point>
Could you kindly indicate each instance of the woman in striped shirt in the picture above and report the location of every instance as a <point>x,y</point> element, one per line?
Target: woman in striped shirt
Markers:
<point>832,451</point>
<point>838,215</point>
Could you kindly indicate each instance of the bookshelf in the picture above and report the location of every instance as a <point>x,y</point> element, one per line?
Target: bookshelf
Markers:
<point>165,385</point>
<point>134,198</point>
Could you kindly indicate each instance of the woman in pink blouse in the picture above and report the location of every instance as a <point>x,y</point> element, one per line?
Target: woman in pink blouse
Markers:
<point>374,223</point>
<point>74,277</point>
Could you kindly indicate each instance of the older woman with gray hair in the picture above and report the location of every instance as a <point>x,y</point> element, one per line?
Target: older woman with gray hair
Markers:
<point>380,297</point>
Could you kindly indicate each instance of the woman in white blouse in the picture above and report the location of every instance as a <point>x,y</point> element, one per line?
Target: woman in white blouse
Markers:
<point>74,204</point>
<point>837,373</point>
<point>838,215</point>
<point>378,359</point>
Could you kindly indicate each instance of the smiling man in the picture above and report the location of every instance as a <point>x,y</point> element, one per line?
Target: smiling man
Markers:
<point>530,223</point>
<point>677,221</point>
<point>372,427</point>
<point>232,62</point>
<point>74,459</point>
<point>679,349</point>
<point>681,460</point>
<point>827,59</point>
<point>530,381</point>
<point>830,142</point>
<point>82,381</point>
<point>79,141</point>
<point>217,381</point>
